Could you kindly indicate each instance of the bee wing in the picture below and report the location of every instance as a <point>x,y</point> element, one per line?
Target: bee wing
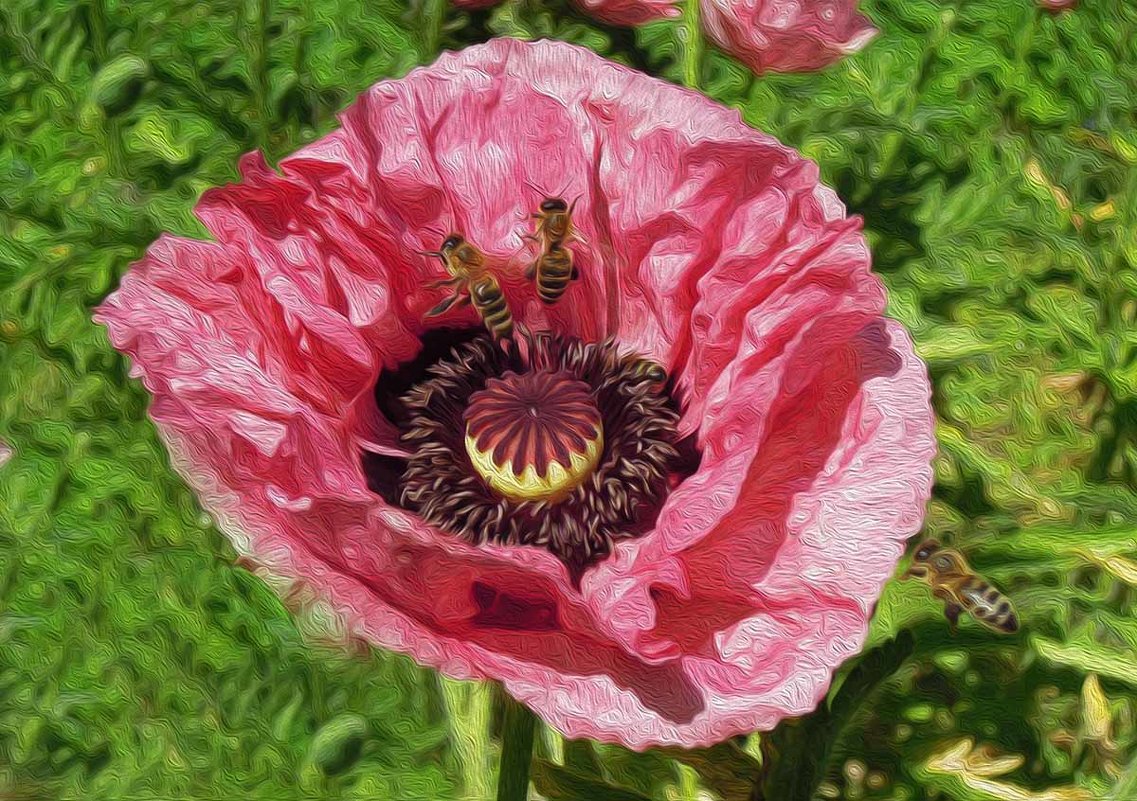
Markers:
<point>990,607</point>
<point>525,240</point>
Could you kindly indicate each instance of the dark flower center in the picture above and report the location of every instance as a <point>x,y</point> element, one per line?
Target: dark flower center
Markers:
<point>550,442</point>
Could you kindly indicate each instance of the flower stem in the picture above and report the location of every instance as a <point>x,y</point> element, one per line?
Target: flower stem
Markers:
<point>691,42</point>
<point>254,33</point>
<point>468,705</point>
<point>516,750</point>
<point>432,18</point>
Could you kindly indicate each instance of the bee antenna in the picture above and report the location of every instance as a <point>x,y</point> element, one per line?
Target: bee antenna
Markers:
<point>438,236</point>
<point>534,187</point>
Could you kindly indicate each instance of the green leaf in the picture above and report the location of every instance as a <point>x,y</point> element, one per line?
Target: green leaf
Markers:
<point>117,84</point>
<point>561,784</point>
<point>1126,787</point>
<point>580,757</point>
<point>338,743</point>
<point>801,747</point>
<point>1086,655</point>
<point>725,768</point>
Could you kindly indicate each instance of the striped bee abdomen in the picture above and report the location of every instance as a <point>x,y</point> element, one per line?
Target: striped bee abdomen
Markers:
<point>553,272</point>
<point>490,302</point>
<point>988,605</point>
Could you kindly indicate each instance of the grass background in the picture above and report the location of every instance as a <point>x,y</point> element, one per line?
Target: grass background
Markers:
<point>990,147</point>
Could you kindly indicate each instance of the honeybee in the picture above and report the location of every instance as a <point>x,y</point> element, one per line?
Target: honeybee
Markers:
<point>648,371</point>
<point>962,589</point>
<point>554,268</point>
<point>473,283</point>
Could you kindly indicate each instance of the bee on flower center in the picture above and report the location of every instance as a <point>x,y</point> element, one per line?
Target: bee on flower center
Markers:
<point>646,371</point>
<point>474,284</point>
<point>961,589</point>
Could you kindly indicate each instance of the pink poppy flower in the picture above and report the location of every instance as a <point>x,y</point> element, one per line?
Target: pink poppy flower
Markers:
<point>721,557</point>
<point>786,35</point>
<point>1057,5</point>
<point>614,12</point>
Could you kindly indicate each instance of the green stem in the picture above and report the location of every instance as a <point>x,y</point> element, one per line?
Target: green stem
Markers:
<point>691,41</point>
<point>468,704</point>
<point>253,20</point>
<point>98,17</point>
<point>688,783</point>
<point>264,110</point>
<point>516,751</point>
<point>433,17</point>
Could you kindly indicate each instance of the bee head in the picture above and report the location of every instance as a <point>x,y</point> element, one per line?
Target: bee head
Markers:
<point>925,551</point>
<point>948,562</point>
<point>938,558</point>
<point>452,242</point>
<point>552,205</point>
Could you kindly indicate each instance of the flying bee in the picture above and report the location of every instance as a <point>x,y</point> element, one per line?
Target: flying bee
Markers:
<point>962,589</point>
<point>472,283</point>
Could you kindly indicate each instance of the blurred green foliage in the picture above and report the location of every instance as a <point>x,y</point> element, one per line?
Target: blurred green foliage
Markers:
<point>990,147</point>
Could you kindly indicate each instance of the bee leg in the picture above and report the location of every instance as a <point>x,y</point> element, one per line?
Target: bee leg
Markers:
<point>514,253</point>
<point>951,612</point>
<point>531,271</point>
<point>443,282</point>
<point>575,273</point>
<point>455,299</point>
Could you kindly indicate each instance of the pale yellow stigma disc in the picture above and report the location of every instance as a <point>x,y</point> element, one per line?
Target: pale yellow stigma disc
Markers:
<point>554,486</point>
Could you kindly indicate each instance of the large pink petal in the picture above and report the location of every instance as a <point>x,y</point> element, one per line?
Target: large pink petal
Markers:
<point>706,245</point>
<point>786,35</point>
